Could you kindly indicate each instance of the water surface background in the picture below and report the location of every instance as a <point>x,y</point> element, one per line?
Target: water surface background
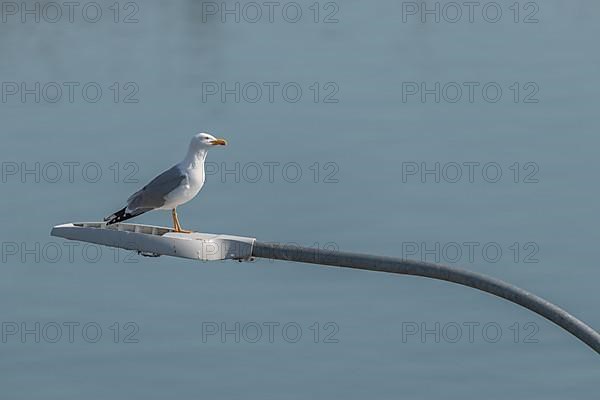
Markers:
<point>351,142</point>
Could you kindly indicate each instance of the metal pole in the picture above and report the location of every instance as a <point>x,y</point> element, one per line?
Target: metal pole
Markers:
<point>429,270</point>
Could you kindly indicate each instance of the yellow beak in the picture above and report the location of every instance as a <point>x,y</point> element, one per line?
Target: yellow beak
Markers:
<point>221,142</point>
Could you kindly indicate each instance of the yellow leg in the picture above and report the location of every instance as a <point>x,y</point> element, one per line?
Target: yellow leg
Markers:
<point>174,216</point>
<point>176,224</point>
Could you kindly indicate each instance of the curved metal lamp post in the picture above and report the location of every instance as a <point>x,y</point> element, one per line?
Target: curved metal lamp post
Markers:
<point>429,270</point>
<point>155,241</point>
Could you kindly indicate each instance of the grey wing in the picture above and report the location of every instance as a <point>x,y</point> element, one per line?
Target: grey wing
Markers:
<point>153,194</point>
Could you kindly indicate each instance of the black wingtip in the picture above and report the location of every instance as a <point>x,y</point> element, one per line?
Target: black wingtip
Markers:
<point>119,216</point>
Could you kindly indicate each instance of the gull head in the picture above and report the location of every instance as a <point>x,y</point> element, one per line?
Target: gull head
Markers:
<point>203,141</point>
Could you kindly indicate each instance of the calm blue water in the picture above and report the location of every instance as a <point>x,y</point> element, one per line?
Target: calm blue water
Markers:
<point>117,103</point>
